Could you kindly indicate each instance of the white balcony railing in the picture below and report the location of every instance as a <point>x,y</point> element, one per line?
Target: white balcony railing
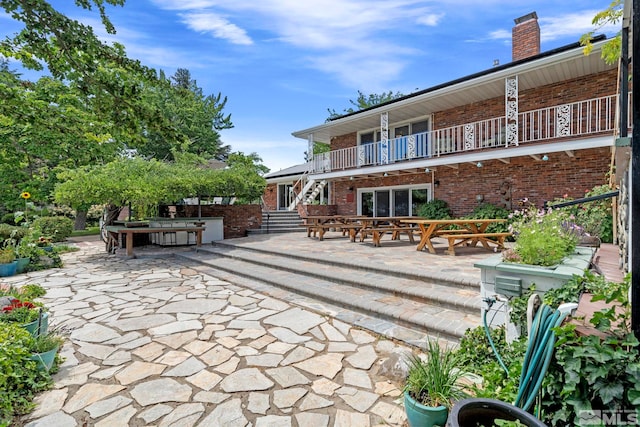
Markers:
<point>583,118</point>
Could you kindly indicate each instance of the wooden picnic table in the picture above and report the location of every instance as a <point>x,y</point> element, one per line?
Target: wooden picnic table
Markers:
<point>116,231</point>
<point>470,232</point>
<point>320,224</point>
<point>378,226</point>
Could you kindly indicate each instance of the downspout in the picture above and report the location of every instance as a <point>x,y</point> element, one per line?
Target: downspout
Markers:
<point>635,177</point>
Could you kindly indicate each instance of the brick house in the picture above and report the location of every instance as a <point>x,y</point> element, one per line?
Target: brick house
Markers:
<point>539,127</point>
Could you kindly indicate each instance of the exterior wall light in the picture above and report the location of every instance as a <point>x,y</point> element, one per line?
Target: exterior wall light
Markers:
<point>427,170</point>
<point>545,158</point>
<point>479,164</point>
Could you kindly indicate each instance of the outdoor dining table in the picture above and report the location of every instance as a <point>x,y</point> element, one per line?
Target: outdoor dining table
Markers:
<point>378,226</point>
<point>321,223</point>
<point>469,231</point>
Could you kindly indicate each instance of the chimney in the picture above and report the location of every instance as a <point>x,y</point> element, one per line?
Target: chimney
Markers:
<point>525,37</point>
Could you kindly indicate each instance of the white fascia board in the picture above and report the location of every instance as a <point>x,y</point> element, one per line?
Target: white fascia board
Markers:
<point>498,75</point>
<point>523,150</point>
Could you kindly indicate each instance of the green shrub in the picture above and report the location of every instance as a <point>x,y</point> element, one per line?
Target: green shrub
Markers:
<point>596,218</point>
<point>56,227</point>
<point>8,218</point>
<point>478,358</point>
<point>597,372</point>
<point>19,377</point>
<point>434,209</point>
<point>11,232</point>
<point>489,211</point>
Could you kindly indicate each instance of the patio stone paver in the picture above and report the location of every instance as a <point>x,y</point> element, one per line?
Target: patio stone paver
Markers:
<point>155,341</point>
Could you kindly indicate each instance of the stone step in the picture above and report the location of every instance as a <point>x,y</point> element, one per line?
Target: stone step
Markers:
<point>424,309</point>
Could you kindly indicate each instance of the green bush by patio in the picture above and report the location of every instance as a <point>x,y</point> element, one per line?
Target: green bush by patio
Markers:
<point>56,227</point>
<point>20,378</point>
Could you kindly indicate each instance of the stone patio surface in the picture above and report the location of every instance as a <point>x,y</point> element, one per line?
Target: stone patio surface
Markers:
<point>152,341</point>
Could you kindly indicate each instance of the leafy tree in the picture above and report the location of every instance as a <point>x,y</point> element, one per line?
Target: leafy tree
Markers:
<point>365,101</point>
<point>318,148</point>
<point>46,127</point>
<point>146,183</point>
<point>195,118</point>
<point>611,15</point>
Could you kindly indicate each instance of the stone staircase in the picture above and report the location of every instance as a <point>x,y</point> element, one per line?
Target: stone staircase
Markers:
<point>402,306</point>
<point>278,222</point>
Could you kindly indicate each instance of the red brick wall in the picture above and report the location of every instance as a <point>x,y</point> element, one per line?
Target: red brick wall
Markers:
<point>497,182</point>
<point>270,197</point>
<point>237,218</point>
<point>593,86</point>
<point>344,141</point>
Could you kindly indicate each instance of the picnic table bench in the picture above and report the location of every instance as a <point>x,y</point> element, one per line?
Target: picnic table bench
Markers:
<point>469,232</point>
<point>464,238</point>
<point>377,232</point>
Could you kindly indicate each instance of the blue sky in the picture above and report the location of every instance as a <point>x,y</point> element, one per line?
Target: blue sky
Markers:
<point>282,63</point>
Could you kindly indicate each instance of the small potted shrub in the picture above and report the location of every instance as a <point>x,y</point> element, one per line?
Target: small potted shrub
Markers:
<point>8,264</point>
<point>26,314</point>
<point>432,385</point>
<point>44,348</point>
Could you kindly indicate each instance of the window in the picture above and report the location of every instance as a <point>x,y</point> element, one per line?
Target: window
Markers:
<point>393,201</point>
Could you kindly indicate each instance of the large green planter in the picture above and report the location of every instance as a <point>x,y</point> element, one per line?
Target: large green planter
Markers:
<point>420,415</point>
<point>33,326</point>
<point>508,279</point>
<point>22,264</point>
<point>45,360</point>
<point>8,269</point>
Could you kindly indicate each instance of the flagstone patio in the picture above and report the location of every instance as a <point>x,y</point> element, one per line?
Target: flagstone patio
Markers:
<point>154,342</point>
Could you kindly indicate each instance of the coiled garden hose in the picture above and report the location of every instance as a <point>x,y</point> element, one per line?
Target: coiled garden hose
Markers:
<point>538,355</point>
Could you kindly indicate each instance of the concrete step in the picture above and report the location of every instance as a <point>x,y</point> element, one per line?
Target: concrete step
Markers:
<point>403,308</point>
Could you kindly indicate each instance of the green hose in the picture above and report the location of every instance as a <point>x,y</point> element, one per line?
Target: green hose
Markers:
<point>488,332</point>
<point>538,355</point>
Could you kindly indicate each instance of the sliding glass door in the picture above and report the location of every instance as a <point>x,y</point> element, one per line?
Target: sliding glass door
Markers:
<point>392,201</point>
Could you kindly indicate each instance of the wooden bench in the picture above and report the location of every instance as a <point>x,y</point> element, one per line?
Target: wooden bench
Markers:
<point>378,232</point>
<point>321,229</point>
<point>471,239</point>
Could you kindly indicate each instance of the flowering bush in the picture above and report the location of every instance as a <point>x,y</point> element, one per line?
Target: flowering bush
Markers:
<point>595,217</point>
<point>19,312</point>
<point>543,237</point>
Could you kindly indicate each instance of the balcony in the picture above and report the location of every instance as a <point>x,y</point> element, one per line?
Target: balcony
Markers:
<point>552,124</point>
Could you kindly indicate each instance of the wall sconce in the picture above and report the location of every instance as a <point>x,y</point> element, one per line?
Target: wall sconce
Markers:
<point>427,170</point>
<point>385,174</point>
<point>479,164</point>
<point>545,158</point>
<point>479,198</point>
<point>436,183</point>
<point>350,178</point>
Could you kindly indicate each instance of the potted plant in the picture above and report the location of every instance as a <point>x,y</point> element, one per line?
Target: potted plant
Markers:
<point>8,265</point>
<point>432,385</point>
<point>27,314</point>
<point>26,251</point>
<point>44,348</point>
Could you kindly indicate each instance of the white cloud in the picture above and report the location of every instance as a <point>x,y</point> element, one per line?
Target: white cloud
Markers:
<point>430,19</point>
<point>577,23</point>
<point>348,39</point>
<point>217,25</point>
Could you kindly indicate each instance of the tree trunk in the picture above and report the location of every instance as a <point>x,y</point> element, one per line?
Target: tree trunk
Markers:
<point>81,220</point>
